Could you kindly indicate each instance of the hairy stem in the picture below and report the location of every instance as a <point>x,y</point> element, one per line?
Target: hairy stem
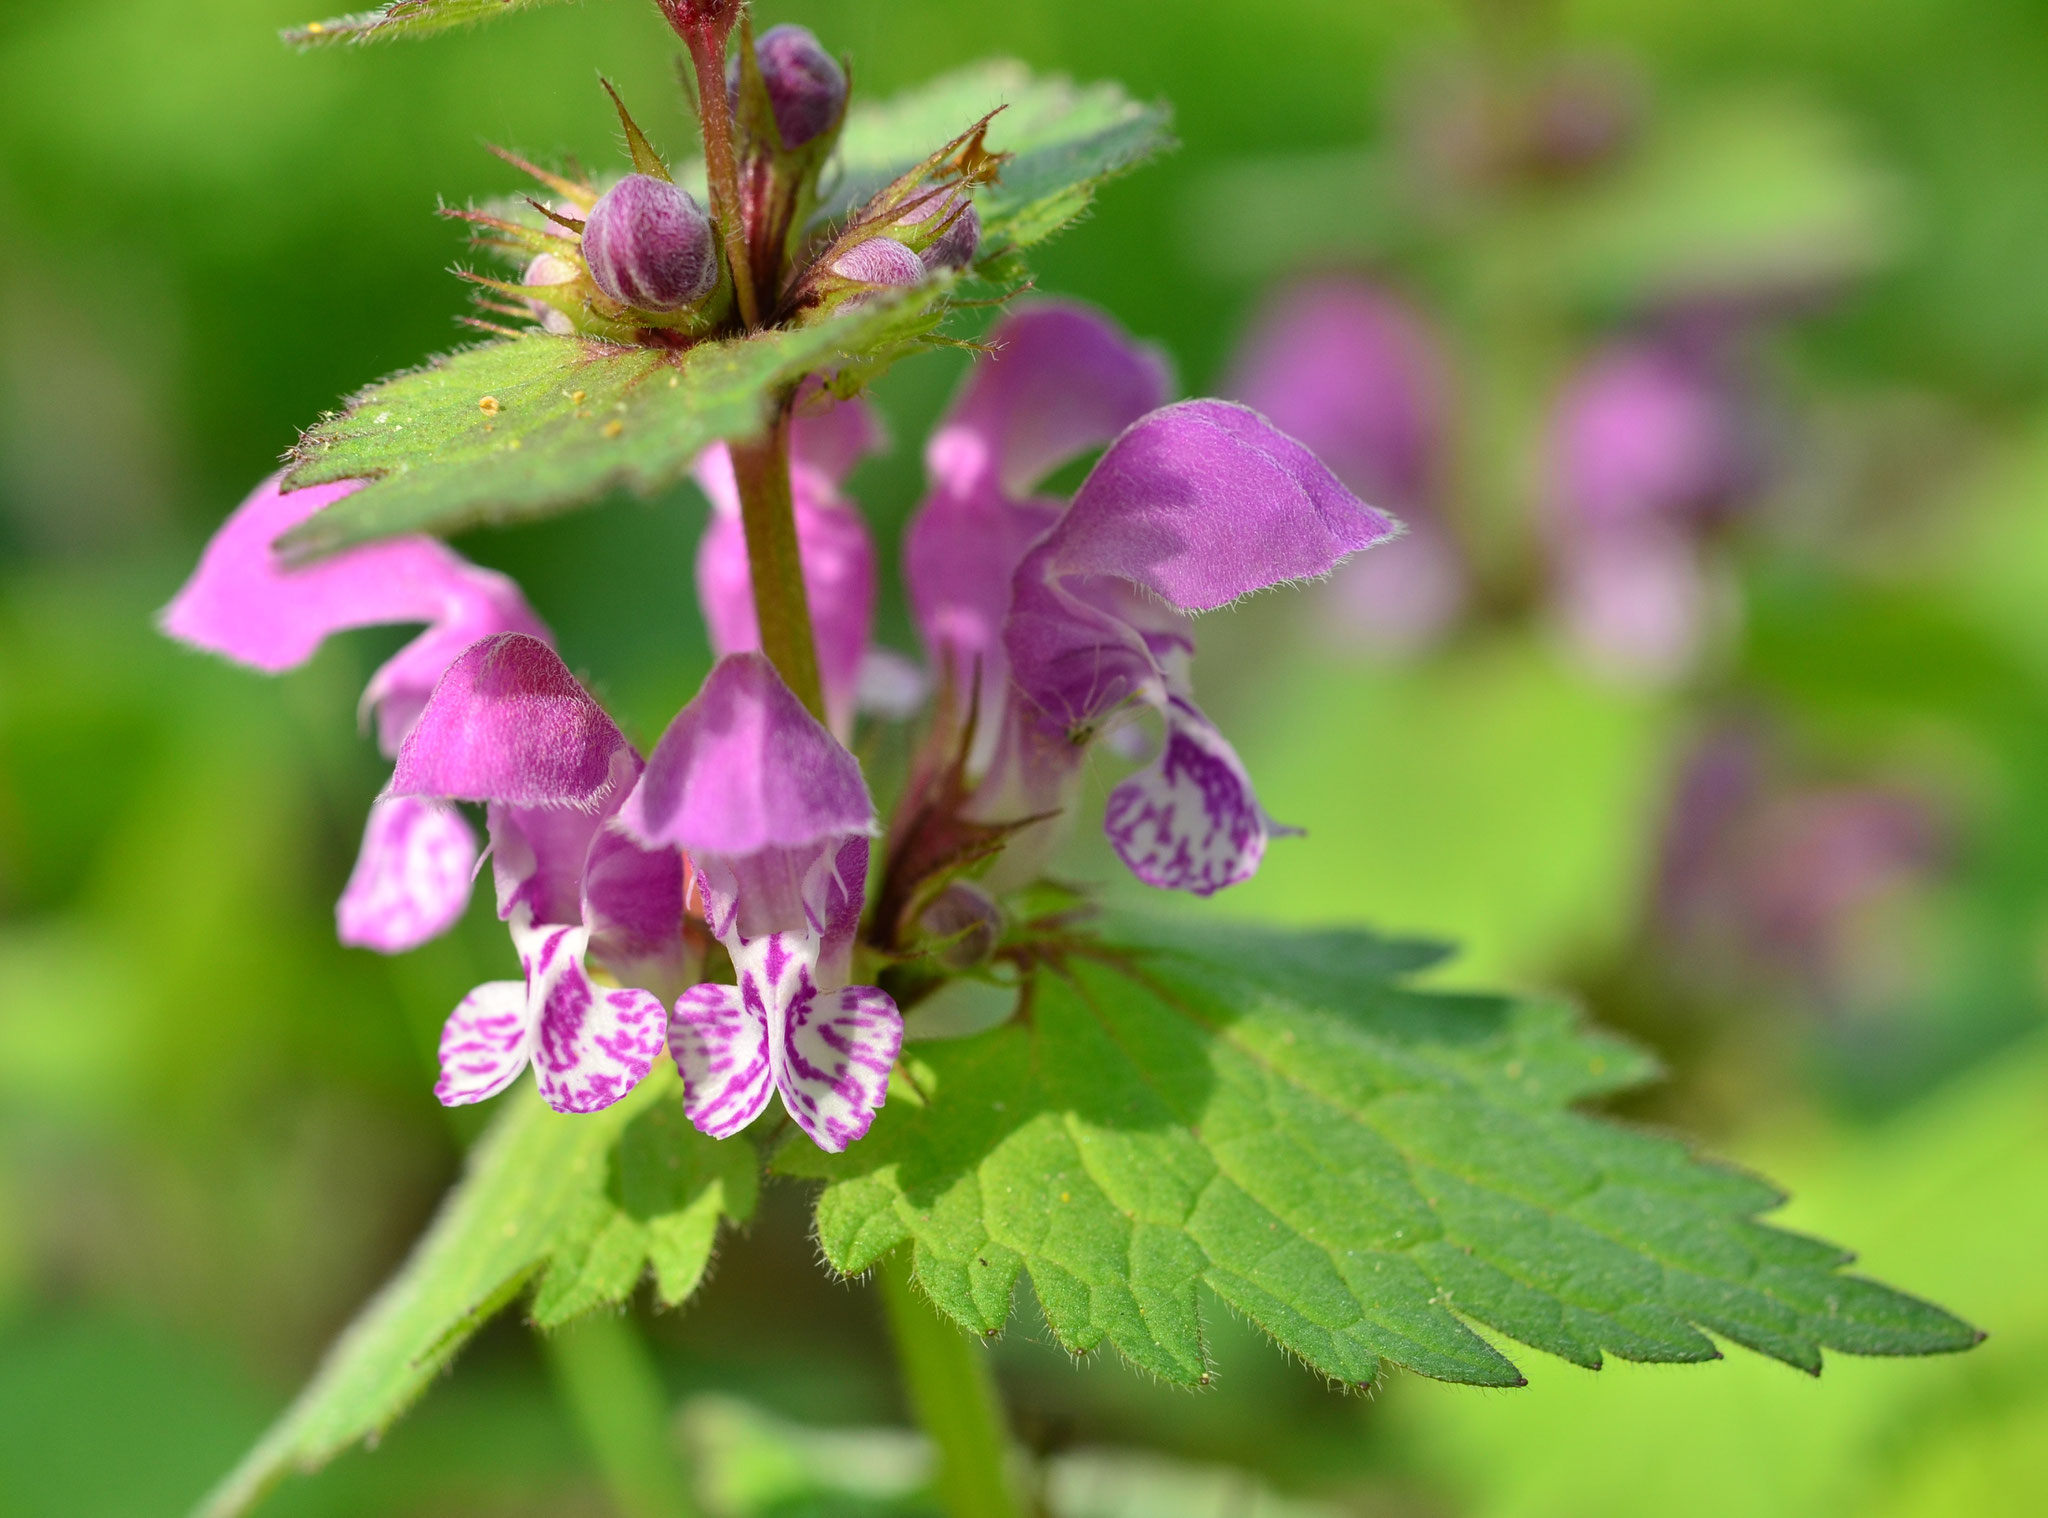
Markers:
<point>953,1394</point>
<point>606,1377</point>
<point>722,170</point>
<point>775,564</point>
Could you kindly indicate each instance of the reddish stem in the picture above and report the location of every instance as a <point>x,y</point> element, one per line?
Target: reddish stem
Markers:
<point>704,26</point>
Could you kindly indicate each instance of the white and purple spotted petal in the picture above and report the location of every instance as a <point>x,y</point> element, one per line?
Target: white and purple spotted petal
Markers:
<point>485,1044</point>
<point>836,1050</point>
<point>1189,821</point>
<point>720,1046</point>
<point>591,1045</point>
<point>412,876</point>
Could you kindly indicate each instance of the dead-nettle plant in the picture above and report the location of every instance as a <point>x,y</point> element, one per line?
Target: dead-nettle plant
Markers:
<point>727,956</point>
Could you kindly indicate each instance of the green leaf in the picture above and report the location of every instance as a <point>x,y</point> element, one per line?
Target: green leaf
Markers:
<point>1357,1165</point>
<point>586,1204</point>
<point>404,18</point>
<point>569,419</point>
<point>1067,140</point>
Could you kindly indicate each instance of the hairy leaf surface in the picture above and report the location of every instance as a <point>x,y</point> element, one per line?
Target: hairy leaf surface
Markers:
<point>404,18</point>
<point>585,1204</point>
<point>1067,140</point>
<point>1357,1165</point>
<point>526,426</point>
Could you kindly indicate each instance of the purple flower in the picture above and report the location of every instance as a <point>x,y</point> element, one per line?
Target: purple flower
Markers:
<point>775,819</point>
<point>412,877</point>
<point>1646,445</point>
<point>1060,380</point>
<point>832,537</point>
<point>1765,878</point>
<point>1193,507</point>
<point>1355,373</point>
<point>509,726</point>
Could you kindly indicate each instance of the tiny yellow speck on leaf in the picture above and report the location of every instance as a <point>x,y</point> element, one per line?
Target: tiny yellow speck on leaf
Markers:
<point>1066,1196</point>
<point>315,28</point>
<point>614,427</point>
<point>576,397</point>
<point>488,405</point>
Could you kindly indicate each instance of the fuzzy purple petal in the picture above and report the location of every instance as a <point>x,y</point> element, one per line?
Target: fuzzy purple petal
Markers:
<point>243,603</point>
<point>508,723</point>
<point>1203,502</point>
<point>412,877</point>
<point>745,768</point>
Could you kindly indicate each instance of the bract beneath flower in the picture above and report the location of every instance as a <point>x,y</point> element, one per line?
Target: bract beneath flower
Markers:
<point>775,818</point>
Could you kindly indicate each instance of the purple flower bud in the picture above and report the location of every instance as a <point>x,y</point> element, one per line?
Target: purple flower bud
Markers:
<point>549,269</point>
<point>956,246</point>
<point>967,921</point>
<point>879,261</point>
<point>649,245</point>
<point>806,85</point>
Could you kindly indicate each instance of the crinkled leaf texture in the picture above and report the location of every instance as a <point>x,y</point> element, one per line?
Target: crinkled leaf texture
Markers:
<point>404,18</point>
<point>583,1205</point>
<point>1359,1166</point>
<point>572,418</point>
<point>1065,141</point>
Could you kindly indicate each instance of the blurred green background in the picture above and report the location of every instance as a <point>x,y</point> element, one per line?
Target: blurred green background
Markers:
<point>216,1129</point>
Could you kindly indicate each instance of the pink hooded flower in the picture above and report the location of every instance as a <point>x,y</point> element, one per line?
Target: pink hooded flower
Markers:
<point>1064,621</point>
<point>1646,445</point>
<point>412,876</point>
<point>775,819</point>
<point>509,726</point>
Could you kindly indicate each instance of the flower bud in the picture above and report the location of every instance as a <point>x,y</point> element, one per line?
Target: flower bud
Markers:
<point>550,269</point>
<point>956,246</point>
<point>967,921</point>
<point>806,85</point>
<point>649,245</point>
<point>879,261</point>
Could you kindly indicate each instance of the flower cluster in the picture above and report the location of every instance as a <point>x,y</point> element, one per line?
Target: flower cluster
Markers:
<point>711,898</point>
<point>1048,624</point>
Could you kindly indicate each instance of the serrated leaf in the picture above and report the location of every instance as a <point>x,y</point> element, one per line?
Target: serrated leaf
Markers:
<point>404,18</point>
<point>569,419</point>
<point>1357,1165</point>
<point>593,1200</point>
<point>1066,141</point>
<point>670,1187</point>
